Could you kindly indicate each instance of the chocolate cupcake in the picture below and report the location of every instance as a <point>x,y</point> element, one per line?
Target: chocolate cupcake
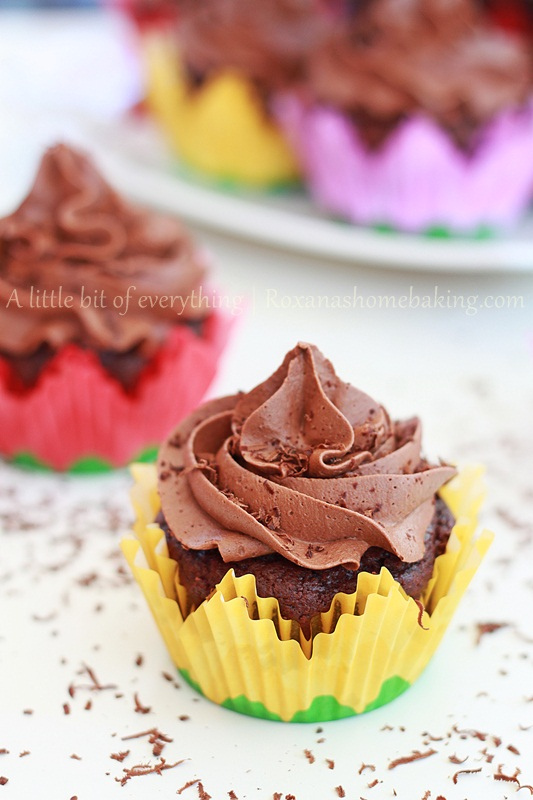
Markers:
<point>418,115</point>
<point>99,312</point>
<point>212,82</point>
<point>303,502</point>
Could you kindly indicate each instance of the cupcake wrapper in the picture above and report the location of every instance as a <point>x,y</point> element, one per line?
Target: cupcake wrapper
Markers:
<point>238,651</point>
<point>219,129</point>
<point>77,415</point>
<point>419,179</point>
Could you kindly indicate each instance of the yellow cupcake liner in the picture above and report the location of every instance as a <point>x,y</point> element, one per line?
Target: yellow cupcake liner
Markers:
<point>238,651</point>
<point>220,129</point>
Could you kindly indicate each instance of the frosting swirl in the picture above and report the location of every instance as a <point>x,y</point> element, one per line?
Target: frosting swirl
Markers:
<point>442,57</point>
<point>266,41</point>
<point>303,465</point>
<point>74,232</point>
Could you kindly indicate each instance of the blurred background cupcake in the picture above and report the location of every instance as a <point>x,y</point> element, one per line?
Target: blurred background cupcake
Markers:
<point>212,77</point>
<point>418,115</point>
<point>107,332</point>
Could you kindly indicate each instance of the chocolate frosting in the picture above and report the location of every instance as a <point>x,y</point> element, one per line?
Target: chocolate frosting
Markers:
<point>74,232</point>
<point>303,465</point>
<point>397,57</point>
<point>266,41</point>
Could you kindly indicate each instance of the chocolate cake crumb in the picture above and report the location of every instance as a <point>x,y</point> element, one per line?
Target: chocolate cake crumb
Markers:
<point>415,756</point>
<point>465,772</point>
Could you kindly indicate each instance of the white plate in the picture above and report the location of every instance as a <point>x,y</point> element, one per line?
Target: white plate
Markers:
<point>139,163</point>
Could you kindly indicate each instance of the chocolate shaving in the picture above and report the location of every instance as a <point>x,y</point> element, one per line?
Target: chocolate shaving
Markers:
<point>500,776</point>
<point>455,760</point>
<point>232,795</point>
<point>24,753</point>
<point>187,785</point>
<point>3,751</point>
<point>3,780</point>
<point>373,783</point>
<point>513,749</point>
<point>340,791</point>
<point>465,772</point>
<point>66,708</point>
<point>415,756</point>
<point>331,763</point>
<point>146,769</point>
<point>202,794</point>
<point>139,708</point>
<point>75,756</point>
<point>120,756</point>
<point>139,660</point>
<point>309,756</point>
<point>421,610</point>
<point>470,732</point>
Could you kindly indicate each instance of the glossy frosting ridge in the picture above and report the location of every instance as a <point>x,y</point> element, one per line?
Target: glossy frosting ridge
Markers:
<point>303,465</point>
<point>74,232</point>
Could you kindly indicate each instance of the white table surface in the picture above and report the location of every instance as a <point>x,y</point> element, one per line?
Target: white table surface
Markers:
<point>67,602</point>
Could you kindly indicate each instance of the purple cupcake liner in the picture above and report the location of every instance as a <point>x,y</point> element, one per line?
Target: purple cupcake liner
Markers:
<point>418,179</point>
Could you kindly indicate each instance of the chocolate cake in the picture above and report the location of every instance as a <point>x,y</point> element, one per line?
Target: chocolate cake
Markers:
<point>303,593</point>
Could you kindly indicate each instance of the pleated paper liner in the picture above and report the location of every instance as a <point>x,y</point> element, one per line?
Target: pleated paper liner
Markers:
<point>77,417</point>
<point>419,180</point>
<point>220,129</point>
<point>238,651</point>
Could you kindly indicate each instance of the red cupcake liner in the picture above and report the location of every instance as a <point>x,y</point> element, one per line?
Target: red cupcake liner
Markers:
<point>78,411</point>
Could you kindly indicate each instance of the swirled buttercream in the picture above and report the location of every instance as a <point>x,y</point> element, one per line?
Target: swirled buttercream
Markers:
<point>75,233</point>
<point>439,57</point>
<point>303,465</point>
<point>265,41</point>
